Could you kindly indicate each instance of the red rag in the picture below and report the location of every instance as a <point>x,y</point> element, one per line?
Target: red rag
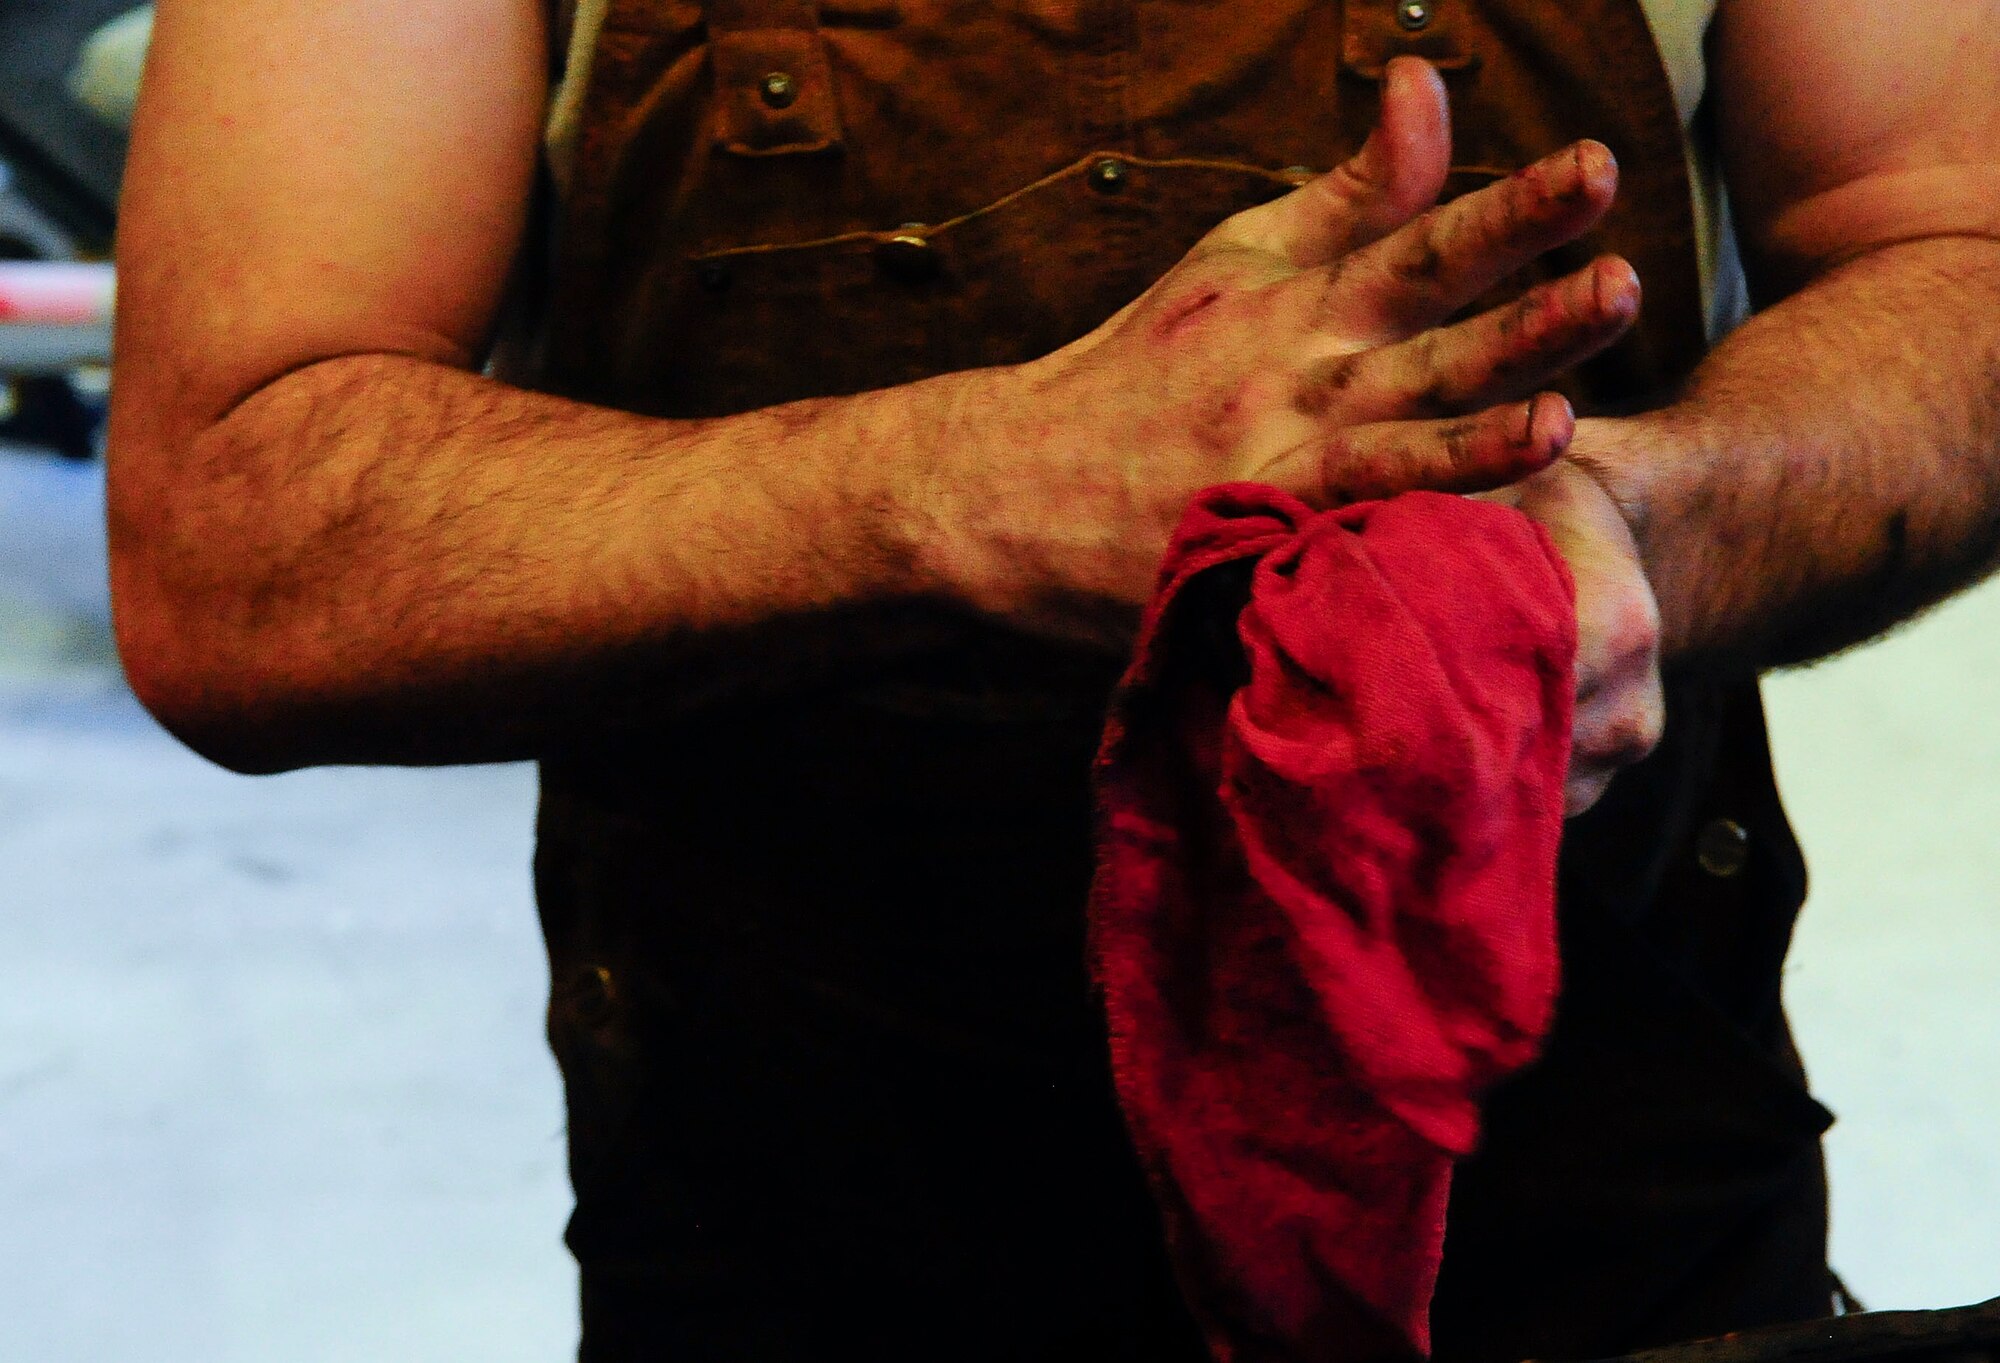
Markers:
<point>1323,920</point>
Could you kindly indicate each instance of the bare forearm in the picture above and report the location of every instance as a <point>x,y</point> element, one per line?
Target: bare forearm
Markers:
<point>375,558</point>
<point>379,559</point>
<point>1832,468</point>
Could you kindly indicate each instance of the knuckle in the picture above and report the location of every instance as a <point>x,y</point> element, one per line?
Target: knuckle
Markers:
<point>1526,320</point>
<point>1522,207</point>
<point>1346,182</point>
<point>1324,384</point>
<point>1537,189</point>
<point>1584,789</point>
<point>1617,738</point>
<point>1623,725</point>
<point>1635,624</point>
<point>1631,736</point>
<point>1345,474</point>
<point>1459,442</point>
<point>1418,260</point>
<point>1507,354</point>
<point>1331,302</point>
<point>1441,390</point>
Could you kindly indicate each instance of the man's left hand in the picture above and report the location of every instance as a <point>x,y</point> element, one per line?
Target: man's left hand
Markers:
<point>1620,705</point>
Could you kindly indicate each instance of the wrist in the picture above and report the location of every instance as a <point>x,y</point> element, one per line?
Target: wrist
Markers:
<point>999,520</point>
<point>940,487</point>
<point>1613,453</point>
<point>1660,472</point>
<point>895,469</point>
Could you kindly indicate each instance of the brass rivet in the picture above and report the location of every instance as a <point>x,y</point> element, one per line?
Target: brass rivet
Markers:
<point>908,255</point>
<point>1108,175</point>
<point>779,90</point>
<point>1723,847</point>
<point>1413,14</point>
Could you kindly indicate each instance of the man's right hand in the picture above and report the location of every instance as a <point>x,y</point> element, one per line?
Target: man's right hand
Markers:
<point>1298,344</point>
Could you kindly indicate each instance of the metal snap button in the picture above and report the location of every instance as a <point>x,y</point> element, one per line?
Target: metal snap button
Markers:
<point>1722,847</point>
<point>1413,14</point>
<point>713,275</point>
<point>779,89</point>
<point>1108,175</point>
<point>909,255</point>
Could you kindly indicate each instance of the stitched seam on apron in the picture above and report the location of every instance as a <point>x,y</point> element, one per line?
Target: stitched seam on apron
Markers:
<point>1076,167</point>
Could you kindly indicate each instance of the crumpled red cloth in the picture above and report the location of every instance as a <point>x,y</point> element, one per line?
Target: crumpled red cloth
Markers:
<point>1323,920</point>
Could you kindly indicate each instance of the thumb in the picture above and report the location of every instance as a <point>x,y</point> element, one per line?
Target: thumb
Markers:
<point>1398,173</point>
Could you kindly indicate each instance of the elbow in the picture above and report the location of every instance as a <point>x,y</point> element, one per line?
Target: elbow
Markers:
<point>192,703</point>
<point>184,614</point>
<point>189,682</point>
<point>206,612</point>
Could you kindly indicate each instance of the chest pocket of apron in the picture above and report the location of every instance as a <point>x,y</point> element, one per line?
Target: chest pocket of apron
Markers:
<point>791,199</point>
<point>1002,283</point>
<point>773,82</point>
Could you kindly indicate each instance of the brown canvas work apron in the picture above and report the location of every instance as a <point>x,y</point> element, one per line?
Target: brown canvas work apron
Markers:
<point>837,1087</point>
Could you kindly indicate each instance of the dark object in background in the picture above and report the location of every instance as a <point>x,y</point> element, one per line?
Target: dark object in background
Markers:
<point>52,412</point>
<point>65,160</point>
<point>1962,1334</point>
<point>60,169</point>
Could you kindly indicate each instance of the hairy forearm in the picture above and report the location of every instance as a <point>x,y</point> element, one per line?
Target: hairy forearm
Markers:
<point>380,559</point>
<point>1832,468</point>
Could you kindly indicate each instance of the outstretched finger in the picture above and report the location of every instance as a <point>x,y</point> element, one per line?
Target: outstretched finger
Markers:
<point>1397,174</point>
<point>1463,454</point>
<point>1422,273</point>
<point>1503,354</point>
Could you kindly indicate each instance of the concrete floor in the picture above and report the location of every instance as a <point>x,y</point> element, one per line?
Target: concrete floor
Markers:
<point>272,1084</point>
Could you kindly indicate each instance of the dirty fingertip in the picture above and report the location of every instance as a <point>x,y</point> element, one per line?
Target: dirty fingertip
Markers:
<point>1547,426</point>
<point>1418,76</point>
<point>1614,286</point>
<point>1596,167</point>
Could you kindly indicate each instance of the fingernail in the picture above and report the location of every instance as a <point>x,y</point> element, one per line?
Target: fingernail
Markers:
<point>1594,158</point>
<point>1567,174</point>
<point>1594,162</point>
<point>1547,426</point>
<point>1527,435</point>
<point>1544,309</point>
<point>1613,285</point>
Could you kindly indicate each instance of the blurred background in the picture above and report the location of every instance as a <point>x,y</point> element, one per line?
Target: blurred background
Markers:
<point>272,1079</point>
